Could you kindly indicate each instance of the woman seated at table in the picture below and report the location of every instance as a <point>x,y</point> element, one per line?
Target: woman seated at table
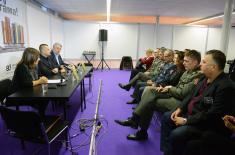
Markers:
<point>26,75</point>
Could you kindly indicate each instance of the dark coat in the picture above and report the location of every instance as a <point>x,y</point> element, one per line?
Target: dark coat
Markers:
<point>22,78</point>
<point>54,61</point>
<point>45,66</point>
<point>217,100</point>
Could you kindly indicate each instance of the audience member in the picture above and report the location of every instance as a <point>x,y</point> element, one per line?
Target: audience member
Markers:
<point>158,66</point>
<point>169,99</point>
<point>163,78</point>
<point>26,75</point>
<point>143,64</point>
<point>212,143</point>
<point>202,109</point>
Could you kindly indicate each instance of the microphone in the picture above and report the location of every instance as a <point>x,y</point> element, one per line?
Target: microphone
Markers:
<point>70,62</point>
<point>61,80</point>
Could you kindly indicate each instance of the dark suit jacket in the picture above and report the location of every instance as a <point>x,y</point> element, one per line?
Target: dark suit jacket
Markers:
<point>45,66</point>
<point>217,100</point>
<point>22,78</point>
<point>55,63</point>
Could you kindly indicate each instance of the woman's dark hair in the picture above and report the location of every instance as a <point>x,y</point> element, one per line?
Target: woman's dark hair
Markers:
<point>29,57</point>
<point>181,58</point>
<point>180,54</point>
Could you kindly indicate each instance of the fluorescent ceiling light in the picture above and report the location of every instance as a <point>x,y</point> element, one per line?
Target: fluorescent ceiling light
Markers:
<point>108,5</point>
<point>208,18</point>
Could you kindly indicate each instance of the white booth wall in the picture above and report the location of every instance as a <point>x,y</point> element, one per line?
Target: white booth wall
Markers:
<point>124,39</point>
<point>43,27</point>
<point>134,39</point>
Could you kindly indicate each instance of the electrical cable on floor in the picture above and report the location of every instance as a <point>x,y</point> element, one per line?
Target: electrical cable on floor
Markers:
<point>87,124</point>
<point>105,130</point>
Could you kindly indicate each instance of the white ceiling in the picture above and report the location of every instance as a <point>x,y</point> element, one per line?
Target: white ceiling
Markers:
<point>176,8</point>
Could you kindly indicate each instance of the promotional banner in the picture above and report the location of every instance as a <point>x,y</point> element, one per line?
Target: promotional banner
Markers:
<point>13,35</point>
<point>8,63</point>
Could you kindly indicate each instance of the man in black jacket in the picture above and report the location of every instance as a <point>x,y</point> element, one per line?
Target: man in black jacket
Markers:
<point>45,65</point>
<point>202,110</point>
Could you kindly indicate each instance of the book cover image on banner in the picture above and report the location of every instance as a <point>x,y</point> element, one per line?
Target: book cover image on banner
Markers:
<point>13,35</point>
<point>13,24</point>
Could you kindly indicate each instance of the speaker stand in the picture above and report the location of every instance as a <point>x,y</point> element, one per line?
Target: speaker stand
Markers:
<point>102,61</point>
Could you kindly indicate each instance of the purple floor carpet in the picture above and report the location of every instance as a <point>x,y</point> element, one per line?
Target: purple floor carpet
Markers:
<point>111,139</point>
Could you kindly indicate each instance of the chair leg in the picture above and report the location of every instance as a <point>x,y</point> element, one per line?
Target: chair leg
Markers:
<point>22,144</point>
<point>67,138</point>
<point>49,149</point>
<point>90,83</point>
<point>53,104</point>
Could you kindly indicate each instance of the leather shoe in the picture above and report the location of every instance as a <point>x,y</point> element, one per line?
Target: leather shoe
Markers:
<point>138,136</point>
<point>132,102</point>
<point>126,87</point>
<point>127,122</point>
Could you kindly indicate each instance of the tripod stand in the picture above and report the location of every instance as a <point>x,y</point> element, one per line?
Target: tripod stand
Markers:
<point>102,61</point>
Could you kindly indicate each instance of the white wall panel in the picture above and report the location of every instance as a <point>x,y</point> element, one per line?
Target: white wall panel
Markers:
<point>122,40</point>
<point>80,36</point>
<point>214,35</point>
<point>56,27</point>
<point>164,36</point>
<point>231,47</point>
<point>190,37</point>
<point>38,27</point>
<point>146,38</point>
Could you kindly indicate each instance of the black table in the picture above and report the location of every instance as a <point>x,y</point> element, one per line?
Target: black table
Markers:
<point>60,94</point>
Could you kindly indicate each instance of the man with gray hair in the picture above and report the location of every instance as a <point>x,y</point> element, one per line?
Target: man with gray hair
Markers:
<point>56,57</point>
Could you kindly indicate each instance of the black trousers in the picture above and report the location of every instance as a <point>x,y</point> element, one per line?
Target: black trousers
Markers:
<point>135,71</point>
<point>211,143</point>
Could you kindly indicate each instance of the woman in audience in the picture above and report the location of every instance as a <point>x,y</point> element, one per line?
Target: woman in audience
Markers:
<point>178,61</point>
<point>26,74</point>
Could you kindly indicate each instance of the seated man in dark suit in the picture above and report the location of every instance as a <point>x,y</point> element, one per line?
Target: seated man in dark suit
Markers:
<point>212,143</point>
<point>202,110</point>
<point>45,65</point>
<point>56,57</point>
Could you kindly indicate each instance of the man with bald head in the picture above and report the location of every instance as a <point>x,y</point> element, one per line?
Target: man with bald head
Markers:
<point>202,110</point>
<point>45,66</point>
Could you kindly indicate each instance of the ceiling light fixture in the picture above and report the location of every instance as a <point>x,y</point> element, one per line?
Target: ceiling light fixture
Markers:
<point>108,5</point>
<point>207,18</point>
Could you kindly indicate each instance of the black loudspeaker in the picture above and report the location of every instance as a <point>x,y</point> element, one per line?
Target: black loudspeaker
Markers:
<point>103,35</point>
